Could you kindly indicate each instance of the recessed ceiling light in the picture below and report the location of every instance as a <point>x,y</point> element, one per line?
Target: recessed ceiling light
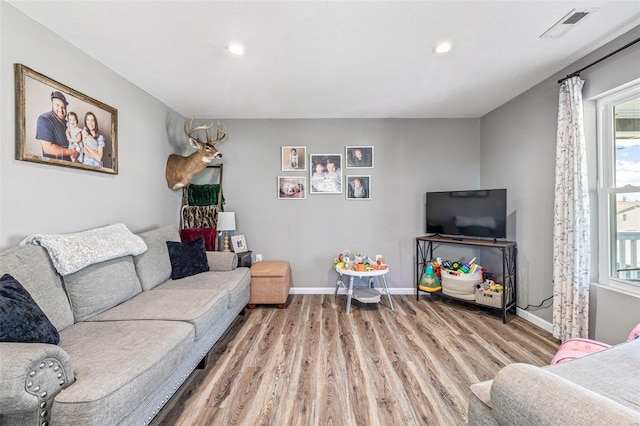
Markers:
<point>236,49</point>
<point>443,47</point>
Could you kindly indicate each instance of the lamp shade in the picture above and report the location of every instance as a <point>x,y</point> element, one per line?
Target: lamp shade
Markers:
<point>226,221</point>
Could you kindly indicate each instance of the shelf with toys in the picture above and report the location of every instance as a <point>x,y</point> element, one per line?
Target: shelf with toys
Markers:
<point>467,281</point>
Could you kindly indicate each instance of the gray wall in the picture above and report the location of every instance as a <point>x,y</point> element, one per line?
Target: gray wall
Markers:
<point>411,157</point>
<point>43,198</point>
<point>515,145</point>
<point>518,151</point>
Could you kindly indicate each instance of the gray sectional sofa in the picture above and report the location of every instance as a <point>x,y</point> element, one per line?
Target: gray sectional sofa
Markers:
<point>129,334</point>
<point>602,388</point>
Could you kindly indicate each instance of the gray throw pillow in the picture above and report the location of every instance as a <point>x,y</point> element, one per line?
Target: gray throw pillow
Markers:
<point>21,319</point>
<point>187,259</point>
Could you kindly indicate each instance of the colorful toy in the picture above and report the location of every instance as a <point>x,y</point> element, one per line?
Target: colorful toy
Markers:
<point>466,268</point>
<point>430,281</point>
<point>358,262</point>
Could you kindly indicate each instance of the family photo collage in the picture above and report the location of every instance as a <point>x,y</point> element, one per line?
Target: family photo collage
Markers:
<point>325,174</point>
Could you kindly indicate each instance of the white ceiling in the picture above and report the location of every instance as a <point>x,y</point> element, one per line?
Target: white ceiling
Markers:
<point>332,59</point>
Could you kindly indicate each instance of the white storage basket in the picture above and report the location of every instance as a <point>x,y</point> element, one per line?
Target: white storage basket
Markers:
<point>460,285</point>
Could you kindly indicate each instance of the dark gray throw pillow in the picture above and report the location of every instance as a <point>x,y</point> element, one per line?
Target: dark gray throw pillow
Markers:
<point>21,319</point>
<point>187,259</point>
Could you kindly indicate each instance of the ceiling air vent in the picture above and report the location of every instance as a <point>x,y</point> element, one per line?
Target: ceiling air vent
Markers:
<point>567,22</point>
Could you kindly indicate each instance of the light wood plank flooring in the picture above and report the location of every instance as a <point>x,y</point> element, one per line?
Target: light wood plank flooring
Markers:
<point>311,364</point>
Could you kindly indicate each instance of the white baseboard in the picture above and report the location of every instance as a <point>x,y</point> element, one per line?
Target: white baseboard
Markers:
<point>543,324</point>
<point>331,290</point>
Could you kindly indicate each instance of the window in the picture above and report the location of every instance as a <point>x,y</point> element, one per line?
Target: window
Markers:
<point>619,188</point>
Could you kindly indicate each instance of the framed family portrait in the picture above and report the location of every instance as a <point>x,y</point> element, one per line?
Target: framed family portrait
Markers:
<point>292,188</point>
<point>58,125</point>
<point>239,244</point>
<point>358,187</point>
<point>326,173</point>
<point>294,158</point>
<point>359,157</point>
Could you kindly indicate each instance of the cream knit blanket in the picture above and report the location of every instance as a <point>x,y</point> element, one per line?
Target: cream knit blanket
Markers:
<point>72,252</point>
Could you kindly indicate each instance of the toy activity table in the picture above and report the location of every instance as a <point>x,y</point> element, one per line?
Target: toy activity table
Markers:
<point>363,294</point>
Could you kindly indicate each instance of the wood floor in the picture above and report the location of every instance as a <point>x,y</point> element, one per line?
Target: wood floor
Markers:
<point>311,364</point>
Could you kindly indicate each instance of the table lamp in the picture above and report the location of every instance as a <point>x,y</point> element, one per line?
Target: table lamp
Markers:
<point>226,223</point>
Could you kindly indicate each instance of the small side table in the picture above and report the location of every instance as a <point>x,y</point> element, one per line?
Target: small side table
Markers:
<point>244,259</point>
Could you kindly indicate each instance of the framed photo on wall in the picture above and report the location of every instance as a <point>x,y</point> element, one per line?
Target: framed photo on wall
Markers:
<point>292,187</point>
<point>358,187</point>
<point>326,173</point>
<point>294,158</point>
<point>58,125</point>
<point>359,157</point>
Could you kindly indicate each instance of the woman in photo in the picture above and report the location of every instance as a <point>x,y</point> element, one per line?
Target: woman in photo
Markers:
<point>92,140</point>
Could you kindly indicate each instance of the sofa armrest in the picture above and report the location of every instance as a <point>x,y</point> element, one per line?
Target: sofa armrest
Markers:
<point>523,394</point>
<point>32,373</point>
<point>222,261</point>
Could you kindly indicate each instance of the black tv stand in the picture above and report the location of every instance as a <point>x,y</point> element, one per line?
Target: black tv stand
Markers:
<point>425,247</point>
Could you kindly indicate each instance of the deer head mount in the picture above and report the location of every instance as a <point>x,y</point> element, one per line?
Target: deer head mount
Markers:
<point>180,170</point>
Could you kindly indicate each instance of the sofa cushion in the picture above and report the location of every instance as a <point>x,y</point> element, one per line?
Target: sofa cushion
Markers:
<point>619,365</point>
<point>236,284</point>
<point>21,319</point>
<point>32,267</point>
<point>153,266</point>
<point>199,307</point>
<point>187,259</point>
<point>527,395</point>
<point>101,286</point>
<point>114,361</point>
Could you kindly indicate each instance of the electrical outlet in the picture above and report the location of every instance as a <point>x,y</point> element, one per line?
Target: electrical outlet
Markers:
<point>258,258</point>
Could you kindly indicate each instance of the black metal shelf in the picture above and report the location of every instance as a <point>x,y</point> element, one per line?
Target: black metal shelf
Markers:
<point>509,249</point>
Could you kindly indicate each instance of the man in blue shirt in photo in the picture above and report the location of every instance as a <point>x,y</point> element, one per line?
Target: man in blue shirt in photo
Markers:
<point>51,130</point>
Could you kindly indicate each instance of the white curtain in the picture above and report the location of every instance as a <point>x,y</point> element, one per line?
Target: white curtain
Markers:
<point>571,232</point>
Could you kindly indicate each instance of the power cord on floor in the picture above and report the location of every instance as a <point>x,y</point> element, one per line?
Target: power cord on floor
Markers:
<point>537,306</point>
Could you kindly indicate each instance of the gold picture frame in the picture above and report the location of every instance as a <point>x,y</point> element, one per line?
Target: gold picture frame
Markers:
<point>40,117</point>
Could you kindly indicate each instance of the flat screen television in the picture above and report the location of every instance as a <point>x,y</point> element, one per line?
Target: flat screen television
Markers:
<point>476,213</point>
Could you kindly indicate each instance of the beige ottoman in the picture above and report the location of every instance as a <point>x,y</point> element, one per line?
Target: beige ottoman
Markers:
<point>270,283</point>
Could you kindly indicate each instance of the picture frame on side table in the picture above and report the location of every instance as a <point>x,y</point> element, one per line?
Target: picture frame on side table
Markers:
<point>60,126</point>
<point>358,187</point>
<point>326,173</point>
<point>292,187</point>
<point>359,157</point>
<point>294,158</point>
<point>239,243</point>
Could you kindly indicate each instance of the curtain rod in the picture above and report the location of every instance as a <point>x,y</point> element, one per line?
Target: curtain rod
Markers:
<point>599,60</point>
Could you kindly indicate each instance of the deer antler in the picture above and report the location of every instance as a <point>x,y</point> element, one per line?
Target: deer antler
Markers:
<point>220,135</point>
<point>191,130</point>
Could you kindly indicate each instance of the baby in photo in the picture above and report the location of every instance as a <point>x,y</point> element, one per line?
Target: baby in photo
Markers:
<point>74,136</point>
